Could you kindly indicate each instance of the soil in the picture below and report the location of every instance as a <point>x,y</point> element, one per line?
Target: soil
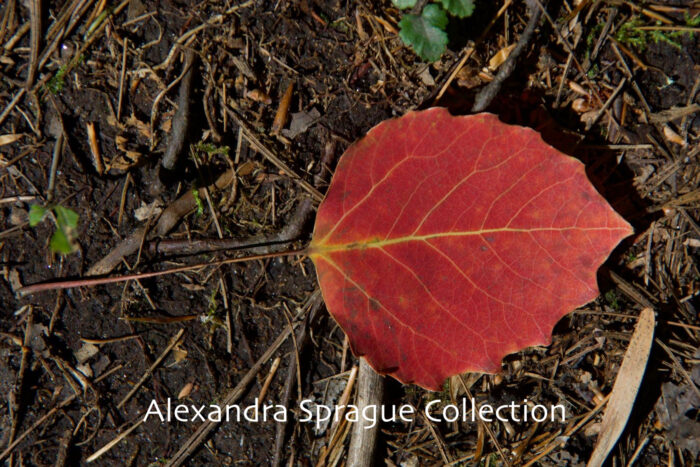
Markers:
<point>69,358</point>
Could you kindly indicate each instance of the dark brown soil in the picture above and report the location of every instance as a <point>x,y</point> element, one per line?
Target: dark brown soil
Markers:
<point>350,71</point>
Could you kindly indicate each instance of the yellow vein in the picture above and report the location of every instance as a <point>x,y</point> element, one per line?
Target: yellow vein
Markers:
<point>321,248</point>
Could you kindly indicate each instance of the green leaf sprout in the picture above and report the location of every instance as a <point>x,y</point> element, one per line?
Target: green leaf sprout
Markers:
<point>64,238</point>
<point>425,32</point>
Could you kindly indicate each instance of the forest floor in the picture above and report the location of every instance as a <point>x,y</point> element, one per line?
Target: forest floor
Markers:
<point>89,99</point>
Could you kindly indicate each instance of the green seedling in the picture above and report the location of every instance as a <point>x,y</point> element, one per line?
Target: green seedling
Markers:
<point>64,238</point>
<point>211,149</point>
<point>425,32</point>
<point>198,202</point>
<point>58,81</point>
<point>637,34</point>
<point>612,299</point>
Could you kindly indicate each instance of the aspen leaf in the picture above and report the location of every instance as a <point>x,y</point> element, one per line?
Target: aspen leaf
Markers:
<point>445,243</point>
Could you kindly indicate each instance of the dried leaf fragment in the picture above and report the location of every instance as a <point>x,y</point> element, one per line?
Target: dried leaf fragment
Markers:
<point>625,389</point>
<point>10,138</point>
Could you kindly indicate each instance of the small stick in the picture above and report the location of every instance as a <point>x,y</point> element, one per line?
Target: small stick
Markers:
<point>302,339</point>
<point>484,424</point>
<point>122,75</point>
<point>268,380</point>
<point>148,372</point>
<point>35,40</point>
<point>167,221</point>
<point>122,199</point>
<point>370,392</point>
<point>12,105</point>
<point>109,340</point>
<point>258,244</point>
<point>335,433</point>
<point>181,120</point>
<point>287,315</point>
<point>16,395</point>
<point>607,104</point>
<point>215,135</point>
<point>62,455</point>
<point>57,150</point>
<point>486,95</point>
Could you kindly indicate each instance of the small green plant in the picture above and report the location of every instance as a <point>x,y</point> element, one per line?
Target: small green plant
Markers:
<point>425,32</point>
<point>198,202</point>
<point>635,33</point>
<point>612,299</point>
<point>58,81</point>
<point>211,149</point>
<point>64,239</point>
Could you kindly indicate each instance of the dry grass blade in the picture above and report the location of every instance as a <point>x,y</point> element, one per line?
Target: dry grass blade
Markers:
<point>115,441</point>
<point>173,342</point>
<point>251,136</point>
<point>625,388</point>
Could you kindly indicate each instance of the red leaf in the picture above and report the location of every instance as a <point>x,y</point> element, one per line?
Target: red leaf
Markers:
<point>445,243</point>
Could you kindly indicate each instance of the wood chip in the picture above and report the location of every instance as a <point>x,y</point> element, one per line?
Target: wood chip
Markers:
<point>283,110</point>
<point>95,149</point>
<point>10,138</point>
<point>185,391</point>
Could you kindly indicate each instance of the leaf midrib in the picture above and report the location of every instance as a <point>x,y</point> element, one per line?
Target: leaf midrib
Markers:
<point>323,249</point>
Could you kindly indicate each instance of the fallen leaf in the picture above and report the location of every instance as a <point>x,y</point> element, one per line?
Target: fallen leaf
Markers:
<point>14,280</point>
<point>179,354</point>
<point>85,369</point>
<point>246,168</point>
<point>445,243</point>
<point>185,391</point>
<point>142,127</point>
<point>301,121</point>
<point>86,352</point>
<point>692,242</point>
<point>581,105</point>
<point>259,95</point>
<point>283,110</point>
<point>500,57</point>
<point>625,389</point>
<point>126,161</point>
<point>426,77</point>
<point>673,137</point>
<point>148,210</point>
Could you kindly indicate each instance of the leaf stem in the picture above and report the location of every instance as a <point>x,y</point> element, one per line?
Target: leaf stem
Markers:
<point>93,281</point>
